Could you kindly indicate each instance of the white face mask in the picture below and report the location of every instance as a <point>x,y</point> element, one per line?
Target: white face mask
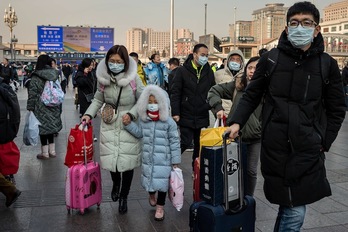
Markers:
<point>152,107</point>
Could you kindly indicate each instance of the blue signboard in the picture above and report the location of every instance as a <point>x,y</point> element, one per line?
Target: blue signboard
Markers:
<point>74,39</point>
<point>102,39</point>
<point>50,38</point>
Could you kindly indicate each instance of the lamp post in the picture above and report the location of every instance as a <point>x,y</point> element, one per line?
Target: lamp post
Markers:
<point>205,24</point>
<point>14,40</point>
<point>235,31</point>
<point>10,19</point>
<point>171,28</point>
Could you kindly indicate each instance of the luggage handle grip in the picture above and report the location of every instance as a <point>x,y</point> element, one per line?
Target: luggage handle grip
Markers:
<point>85,125</point>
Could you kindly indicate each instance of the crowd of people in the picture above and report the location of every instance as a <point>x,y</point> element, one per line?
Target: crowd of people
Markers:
<point>266,102</point>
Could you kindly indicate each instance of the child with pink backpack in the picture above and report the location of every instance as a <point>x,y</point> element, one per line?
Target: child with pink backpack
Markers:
<point>161,144</point>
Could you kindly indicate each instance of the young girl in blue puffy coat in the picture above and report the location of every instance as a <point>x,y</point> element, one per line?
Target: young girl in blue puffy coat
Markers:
<point>161,144</point>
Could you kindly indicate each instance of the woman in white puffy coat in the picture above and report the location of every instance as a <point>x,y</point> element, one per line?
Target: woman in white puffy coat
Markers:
<point>119,150</point>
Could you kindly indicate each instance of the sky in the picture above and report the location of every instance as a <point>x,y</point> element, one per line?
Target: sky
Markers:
<point>123,15</point>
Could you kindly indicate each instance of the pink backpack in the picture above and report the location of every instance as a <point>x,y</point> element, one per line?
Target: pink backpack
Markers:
<point>52,95</point>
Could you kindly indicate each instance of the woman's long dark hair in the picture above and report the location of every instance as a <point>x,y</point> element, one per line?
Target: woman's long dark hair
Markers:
<point>43,61</point>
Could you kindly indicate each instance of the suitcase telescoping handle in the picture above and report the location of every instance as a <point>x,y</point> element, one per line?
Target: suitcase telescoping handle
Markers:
<point>84,127</point>
<point>240,176</point>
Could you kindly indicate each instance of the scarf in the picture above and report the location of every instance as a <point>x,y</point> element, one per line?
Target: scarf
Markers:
<point>154,115</point>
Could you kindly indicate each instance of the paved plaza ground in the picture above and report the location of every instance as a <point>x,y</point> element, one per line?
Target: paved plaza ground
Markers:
<point>41,207</point>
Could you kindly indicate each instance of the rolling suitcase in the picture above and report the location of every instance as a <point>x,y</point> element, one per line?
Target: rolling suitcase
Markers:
<point>83,184</point>
<point>229,216</point>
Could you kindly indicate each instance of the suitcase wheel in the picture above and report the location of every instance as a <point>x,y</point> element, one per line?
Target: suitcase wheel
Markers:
<point>98,205</point>
<point>82,211</point>
<point>68,209</point>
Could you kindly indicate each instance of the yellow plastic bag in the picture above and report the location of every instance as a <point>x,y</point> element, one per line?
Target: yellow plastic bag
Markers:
<point>212,136</point>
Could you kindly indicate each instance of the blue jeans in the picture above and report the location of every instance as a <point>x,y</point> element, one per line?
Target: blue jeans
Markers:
<point>290,219</point>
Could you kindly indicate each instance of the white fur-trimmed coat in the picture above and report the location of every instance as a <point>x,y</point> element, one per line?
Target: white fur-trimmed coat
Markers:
<point>161,142</point>
<point>118,148</point>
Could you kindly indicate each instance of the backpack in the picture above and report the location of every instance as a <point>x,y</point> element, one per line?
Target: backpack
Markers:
<point>10,115</point>
<point>325,63</point>
<point>52,95</point>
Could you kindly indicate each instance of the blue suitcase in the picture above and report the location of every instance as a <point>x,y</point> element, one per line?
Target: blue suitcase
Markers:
<point>229,217</point>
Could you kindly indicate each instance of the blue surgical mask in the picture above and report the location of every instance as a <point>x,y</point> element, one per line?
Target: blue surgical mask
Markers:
<point>152,107</point>
<point>300,37</point>
<point>234,66</point>
<point>116,68</point>
<point>202,60</point>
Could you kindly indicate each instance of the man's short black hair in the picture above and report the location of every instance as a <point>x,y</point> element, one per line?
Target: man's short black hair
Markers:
<point>303,8</point>
<point>198,46</point>
<point>174,61</point>
<point>134,54</point>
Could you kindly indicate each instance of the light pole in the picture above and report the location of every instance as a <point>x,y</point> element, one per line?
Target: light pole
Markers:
<point>205,24</point>
<point>171,28</point>
<point>10,19</point>
<point>14,40</point>
<point>235,32</point>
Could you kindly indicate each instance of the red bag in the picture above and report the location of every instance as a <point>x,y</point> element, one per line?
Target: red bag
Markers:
<point>9,158</point>
<point>196,178</point>
<point>79,136</point>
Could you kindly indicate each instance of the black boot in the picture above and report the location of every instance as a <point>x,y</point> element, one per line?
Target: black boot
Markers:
<point>115,193</point>
<point>122,209</point>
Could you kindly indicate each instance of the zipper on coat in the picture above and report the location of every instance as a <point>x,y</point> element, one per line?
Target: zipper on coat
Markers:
<point>307,86</point>
<point>290,197</point>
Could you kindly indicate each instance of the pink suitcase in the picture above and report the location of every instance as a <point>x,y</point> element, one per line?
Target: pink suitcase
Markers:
<point>83,186</point>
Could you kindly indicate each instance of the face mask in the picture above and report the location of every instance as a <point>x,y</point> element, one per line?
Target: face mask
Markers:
<point>202,60</point>
<point>234,66</point>
<point>300,37</point>
<point>152,107</point>
<point>116,68</point>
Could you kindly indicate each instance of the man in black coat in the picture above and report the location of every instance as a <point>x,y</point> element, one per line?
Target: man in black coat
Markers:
<point>302,114</point>
<point>188,96</point>
<point>173,65</point>
<point>6,71</point>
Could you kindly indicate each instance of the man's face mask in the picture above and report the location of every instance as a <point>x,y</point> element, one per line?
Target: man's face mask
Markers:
<point>300,33</point>
<point>234,66</point>
<point>202,60</point>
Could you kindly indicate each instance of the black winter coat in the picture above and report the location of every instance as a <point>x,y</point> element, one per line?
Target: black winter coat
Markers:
<point>85,85</point>
<point>188,95</point>
<point>301,117</point>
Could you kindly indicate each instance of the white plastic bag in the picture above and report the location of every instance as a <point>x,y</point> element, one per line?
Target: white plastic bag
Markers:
<point>31,130</point>
<point>176,188</point>
<point>219,123</point>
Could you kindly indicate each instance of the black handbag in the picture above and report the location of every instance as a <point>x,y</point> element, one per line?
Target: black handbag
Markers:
<point>89,97</point>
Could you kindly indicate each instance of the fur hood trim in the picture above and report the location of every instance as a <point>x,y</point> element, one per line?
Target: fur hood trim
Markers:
<point>162,101</point>
<point>121,79</point>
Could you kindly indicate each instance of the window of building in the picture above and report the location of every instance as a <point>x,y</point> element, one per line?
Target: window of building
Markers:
<point>345,26</point>
<point>326,29</point>
<point>333,29</point>
<point>27,52</point>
